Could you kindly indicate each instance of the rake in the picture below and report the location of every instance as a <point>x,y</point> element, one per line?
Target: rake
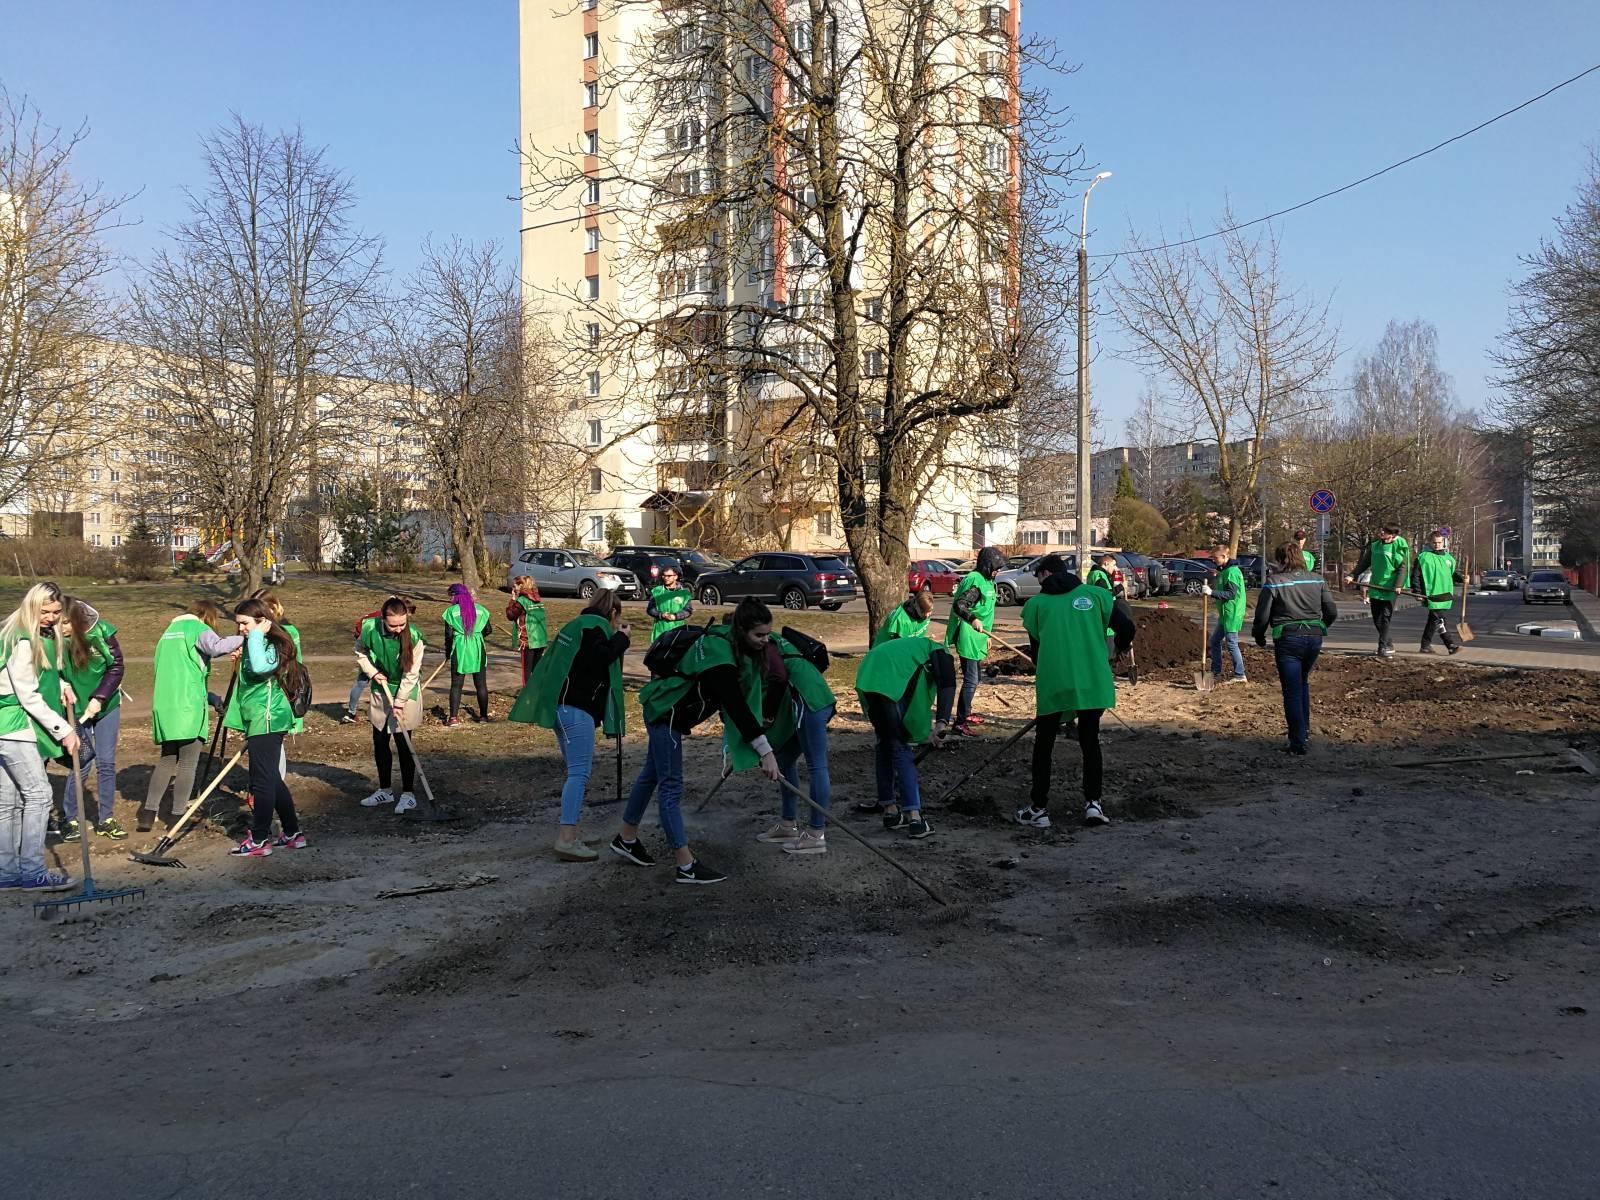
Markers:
<point>435,812</point>
<point>898,866</point>
<point>88,894</point>
<point>155,856</point>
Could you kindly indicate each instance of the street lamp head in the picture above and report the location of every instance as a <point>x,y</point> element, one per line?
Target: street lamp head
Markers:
<point>1102,175</point>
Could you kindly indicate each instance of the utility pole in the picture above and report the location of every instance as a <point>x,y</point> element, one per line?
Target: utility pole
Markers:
<point>1085,485</point>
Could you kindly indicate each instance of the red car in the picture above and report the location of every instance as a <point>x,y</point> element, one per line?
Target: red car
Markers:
<point>933,575</point>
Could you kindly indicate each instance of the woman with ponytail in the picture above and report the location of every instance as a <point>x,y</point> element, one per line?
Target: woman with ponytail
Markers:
<point>30,730</point>
<point>526,612</point>
<point>91,678</point>
<point>389,653</point>
<point>269,673</point>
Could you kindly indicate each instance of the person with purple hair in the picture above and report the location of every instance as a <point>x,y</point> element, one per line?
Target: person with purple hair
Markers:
<point>466,624</point>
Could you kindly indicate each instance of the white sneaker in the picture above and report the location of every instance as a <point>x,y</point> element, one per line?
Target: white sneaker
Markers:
<point>406,802</point>
<point>378,799</point>
<point>779,835</point>
<point>812,841</point>
<point>1235,679</point>
<point>1033,818</point>
<point>1093,814</point>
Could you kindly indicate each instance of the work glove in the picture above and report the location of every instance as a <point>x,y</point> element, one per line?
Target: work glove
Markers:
<point>91,710</point>
<point>214,700</point>
<point>1205,589</point>
<point>1262,641</point>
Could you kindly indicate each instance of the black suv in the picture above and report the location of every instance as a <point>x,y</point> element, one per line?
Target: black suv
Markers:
<point>792,580</point>
<point>691,563</point>
<point>647,565</point>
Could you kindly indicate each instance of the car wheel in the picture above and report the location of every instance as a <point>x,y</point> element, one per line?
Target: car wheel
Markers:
<point>1005,594</point>
<point>831,606</point>
<point>709,595</point>
<point>587,589</point>
<point>793,598</point>
<point>1192,587</point>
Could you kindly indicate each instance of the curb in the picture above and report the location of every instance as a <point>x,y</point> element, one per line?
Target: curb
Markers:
<point>1585,619</point>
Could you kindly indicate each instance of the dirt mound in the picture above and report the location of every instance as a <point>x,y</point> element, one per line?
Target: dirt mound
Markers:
<point>1167,639</point>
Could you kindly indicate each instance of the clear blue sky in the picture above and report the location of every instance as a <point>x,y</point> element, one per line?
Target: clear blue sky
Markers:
<point>1189,104</point>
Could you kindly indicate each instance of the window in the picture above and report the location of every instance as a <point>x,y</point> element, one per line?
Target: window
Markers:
<point>825,524</point>
<point>873,310</point>
<point>592,284</point>
<point>993,17</point>
<point>591,142</point>
<point>591,45</point>
<point>591,192</point>
<point>591,95</point>
<point>992,62</point>
<point>149,413</point>
<point>596,479</point>
<point>595,437</point>
<point>94,539</point>
<point>94,518</point>
<point>116,456</point>
<point>594,335</point>
<point>591,240</point>
<point>94,475</point>
<point>803,251</point>
<point>872,364</point>
<point>1036,537</point>
<point>594,383</point>
<point>955,524</point>
<point>685,134</point>
<point>589,5</point>
<point>996,155</point>
<point>116,539</point>
<point>597,529</point>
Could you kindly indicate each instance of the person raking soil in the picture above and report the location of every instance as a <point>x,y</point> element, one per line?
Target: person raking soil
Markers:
<point>181,704</point>
<point>797,705</point>
<point>269,674</point>
<point>906,687</point>
<point>908,619</point>
<point>389,649</point>
<point>91,677</point>
<point>967,633</point>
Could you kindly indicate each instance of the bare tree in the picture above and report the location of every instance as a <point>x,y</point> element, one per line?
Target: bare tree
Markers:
<point>56,368</point>
<point>1148,431</point>
<point>1245,354</point>
<point>256,319</point>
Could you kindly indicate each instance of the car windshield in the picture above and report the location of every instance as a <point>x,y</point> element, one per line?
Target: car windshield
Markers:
<point>1496,574</point>
<point>1547,577</point>
<point>830,564</point>
<point>585,558</point>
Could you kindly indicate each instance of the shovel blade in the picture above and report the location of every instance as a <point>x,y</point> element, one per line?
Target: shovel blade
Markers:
<point>1464,632</point>
<point>1202,681</point>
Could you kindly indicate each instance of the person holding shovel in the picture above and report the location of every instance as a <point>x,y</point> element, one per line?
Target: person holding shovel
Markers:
<point>1230,596</point>
<point>718,673</point>
<point>1073,681</point>
<point>901,685</point>
<point>91,681</point>
<point>908,620</point>
<point>526,612</point>
<point>466,624</point>
<point>30,732</point>
<point>1388,559</point>
<point>576,689</point>
<point>180,705</point>
<point>670,605</point>
<point>971,622</point>
<point>1435,577</point>
<point>269,673</point>
<point>389,649</point>
<point>1297,608</point>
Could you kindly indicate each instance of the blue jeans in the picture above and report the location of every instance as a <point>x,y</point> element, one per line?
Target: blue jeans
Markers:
<point>97,744</point>
<point>971,668</point>
<point>575,736</point>
<point>663,769</point>
<point>24,810</point>
<point>811,739</point>
<point>892,755</point>
<point>1231,640</point>
<point>1296,654</point>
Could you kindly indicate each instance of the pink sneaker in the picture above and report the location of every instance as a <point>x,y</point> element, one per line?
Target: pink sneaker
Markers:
<point>290,841</point>
<point>250,848</point>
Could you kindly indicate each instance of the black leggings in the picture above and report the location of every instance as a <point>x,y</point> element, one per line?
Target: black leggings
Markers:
<point>385,760</point>
<point>268,791</point>
<point>1044,745</point>
<point>530,660</point>
<point>480,680</point>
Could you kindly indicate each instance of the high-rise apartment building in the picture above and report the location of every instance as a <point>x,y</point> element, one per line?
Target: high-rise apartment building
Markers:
<point>673,246</point>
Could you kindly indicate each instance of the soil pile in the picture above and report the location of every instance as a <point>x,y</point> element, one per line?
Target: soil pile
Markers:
<point>1167,639</point>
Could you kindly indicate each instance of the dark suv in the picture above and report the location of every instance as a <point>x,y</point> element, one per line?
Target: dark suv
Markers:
<point>792,580</point>
<point>692,563</point>
<point>646,565</point>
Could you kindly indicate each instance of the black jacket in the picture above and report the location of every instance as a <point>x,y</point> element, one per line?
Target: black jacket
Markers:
<point>588,683</point>
<point>1294,601</point>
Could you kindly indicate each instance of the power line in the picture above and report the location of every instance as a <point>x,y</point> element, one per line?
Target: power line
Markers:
<point>1358,182</point>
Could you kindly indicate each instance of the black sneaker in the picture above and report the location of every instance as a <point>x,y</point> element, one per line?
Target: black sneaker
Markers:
<point>52,829</point>
<point>71,831</point>
<point>918,827</point>
<point>1454,649</point>
<point>633,851</point>
<point>896,820</point>
<point>147,820</point>
<point>698,872</point>
<point>349,718</point>
<point>1426,649</point>
<point>866,806</point>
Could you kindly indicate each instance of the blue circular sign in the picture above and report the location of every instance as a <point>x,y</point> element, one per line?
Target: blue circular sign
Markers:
<point>1322,501</point>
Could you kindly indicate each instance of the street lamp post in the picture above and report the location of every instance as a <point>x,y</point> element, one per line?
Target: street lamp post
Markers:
<point>1085,499</point>
<point>1475,508</point>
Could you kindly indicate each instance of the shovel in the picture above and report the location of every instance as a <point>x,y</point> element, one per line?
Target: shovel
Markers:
<point>154,857</point>
<point>1463,630</point>
<point>1202,677</point>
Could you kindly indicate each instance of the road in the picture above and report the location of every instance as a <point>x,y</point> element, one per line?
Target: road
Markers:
<point>1494,618</point>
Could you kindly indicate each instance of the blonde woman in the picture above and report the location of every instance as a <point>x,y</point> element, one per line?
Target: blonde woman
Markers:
<point>29,729</point>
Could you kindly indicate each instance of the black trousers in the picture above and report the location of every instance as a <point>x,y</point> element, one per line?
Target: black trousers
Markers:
<point>385,759</point>
<point>480,680</point>
<point>530,660</point>
<point>1044,745</point>
<point>268,791</point>
<point>1439,622</point>
<point>1382,614</point>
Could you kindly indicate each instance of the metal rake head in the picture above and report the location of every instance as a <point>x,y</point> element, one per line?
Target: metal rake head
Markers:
<point>73,905</point>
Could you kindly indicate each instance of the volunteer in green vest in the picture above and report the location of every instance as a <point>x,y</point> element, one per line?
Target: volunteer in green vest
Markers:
<point>719,673</point>
<point>231,719</point>
<point>1434,577</point>
<point>971,620</point>
<point>1297,608</point>
<point>91,674</point>
<point>389,650</point>
<point>269,673</point>
<point>909,619</point>
<point>526,612</point>
<point>466,624</point>
<point>1066,624</point>
<point>1231,601</point>
<point>797,695</point>
<point>1100,572</point>
<point>180,705</point>
<point>670,605</point>
<point>899,684</point>
<point>576,689</point>
<point>1310,559</point>
<point>1389,560</point>
<point>30,730</point>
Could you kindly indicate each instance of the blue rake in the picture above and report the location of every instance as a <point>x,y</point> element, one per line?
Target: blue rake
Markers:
<point>88,894</point>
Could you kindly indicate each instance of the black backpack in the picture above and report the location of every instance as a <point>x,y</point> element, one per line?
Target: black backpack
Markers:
<point>300,698</point>
<point>807,647</point>
<point>668,650</point>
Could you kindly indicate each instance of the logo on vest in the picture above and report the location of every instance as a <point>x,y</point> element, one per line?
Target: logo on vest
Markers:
<point>1083,604</point>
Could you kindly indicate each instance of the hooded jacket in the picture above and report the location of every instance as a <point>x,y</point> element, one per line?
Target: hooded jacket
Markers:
<point>1293,601</point>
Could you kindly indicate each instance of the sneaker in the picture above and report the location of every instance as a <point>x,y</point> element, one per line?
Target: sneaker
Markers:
<point>967,730</point>
<point>1426,650</point>
<point>406,802</point>
<point>378,798</point>
<point>485,719</point>
<point>575,851</point>
<point>917,826</point>
<point>46,881</point>
<point>110,829</point>
<point>866,806</point>
<point>779,835</point>
<point>250,848</point>
<point>52,829</point>
<point>1093,814</point>
<point>1454,649</point>
<point>974,719</point>
<point>146,821</point>
<point>1236,679</point>
<point>71,831</point>
<point>1386,652</point>
<point>811,841</point>
<point>1295,748</point>
<point>698,872</point>
<point>896,820</point>
<point>290,841</point>
<point>1033,818</point>
<point>633,851</point>
<point>452,722</point>
<point>10,885</point>
<point>348,719</point>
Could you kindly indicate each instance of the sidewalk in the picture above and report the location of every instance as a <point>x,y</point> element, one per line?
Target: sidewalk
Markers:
<point>1586,611</point>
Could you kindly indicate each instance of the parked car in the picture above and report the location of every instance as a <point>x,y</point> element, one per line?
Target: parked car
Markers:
<point>795,581</point>
<point>560,572</point>
<point>1497,581</point>
<point>1155,574</point>
<point>932,575</point>
<point>646,565</point>
<point>1016,584</point>
<point>694,563</point>
<point>1545,586</point>
<point>1251,566</point>
<point>1186,575</point>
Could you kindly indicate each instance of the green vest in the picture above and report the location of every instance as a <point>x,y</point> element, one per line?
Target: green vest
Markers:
<point>969,643</point>
<point>889,668</point>
<point>234,718</point>
<point>901,624</point>
<point>1099,578</point>
<point>1438,578</point>
<point>178,709</point>
<point>384,651</point>
<point>1390,566</point>
<point>807,686</point>
<point>262,705</point>
<point>1310,560</point>
<point>673,600</point>
<point>466,651</point>
<point>86,678</point>
<point>541,695</point>
<point>1072,671</point>
<point>713,649</point>
<point>535,632</point>
<point>1230,613</point>
<point>14,718</point>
